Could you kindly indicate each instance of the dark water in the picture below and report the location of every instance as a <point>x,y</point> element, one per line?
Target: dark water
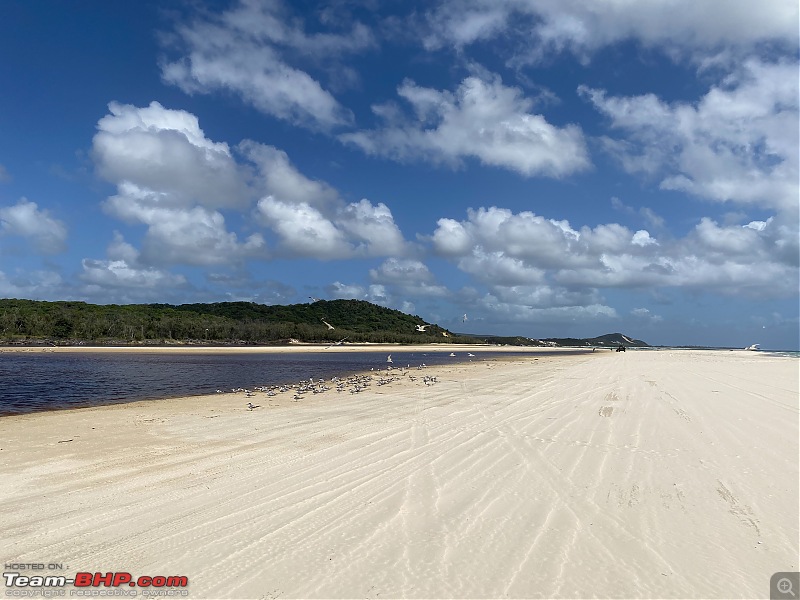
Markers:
<point>38,381</point>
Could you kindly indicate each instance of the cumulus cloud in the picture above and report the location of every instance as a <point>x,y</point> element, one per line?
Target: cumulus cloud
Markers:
<point>334,232</point>
<point>683,27</point>
<point>408,277</point>
<point>173,179</point>
<point>484,120</point>
<point>738,143</point>
<point>303,230</point>
<point>505,250</point>
<point>523,312</point>
<point>194,236</point>
<point>26,220</point>
<point>162,149</point>
<point>311,220</point>
<point>371,228</point>
<point>252,50</point>
<point>122,274</point>
<point>277,176</point>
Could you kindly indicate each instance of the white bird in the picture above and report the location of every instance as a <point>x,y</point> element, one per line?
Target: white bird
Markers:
<point>339,343</point>
<point>445,334</point>
<point>389,359</point>
<point>328,324</point>
<point>421,327</point>
<point>314,299</point>
<point>452,354</point>
<point>464,318</point>
<point>470,354</point>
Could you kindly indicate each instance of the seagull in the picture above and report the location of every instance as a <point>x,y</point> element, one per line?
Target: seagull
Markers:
<point>251,406</point>
<point>389,359</point>
<point>328,324</point>
<point>452,354</point>
<point>339,343</point>
<point>314,299</point>
<point>470,354</point>
<point>445,334</point>
<point>421,327</point>
<point>464,318</point>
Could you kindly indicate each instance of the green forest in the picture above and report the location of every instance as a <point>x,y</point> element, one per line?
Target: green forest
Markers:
<point>355,321</point>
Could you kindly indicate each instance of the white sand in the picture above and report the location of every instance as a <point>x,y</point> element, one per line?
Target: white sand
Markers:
<point>639,474</point>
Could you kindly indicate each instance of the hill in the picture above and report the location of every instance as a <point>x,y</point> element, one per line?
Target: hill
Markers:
<point>29,321</point>
<point>609,340</point>
<point>321,321</point>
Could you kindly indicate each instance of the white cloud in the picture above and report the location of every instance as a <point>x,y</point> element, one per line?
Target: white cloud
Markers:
<point>372,229</point>
<point>303,230</point>
<point>170,177</point>
<point>118,273</point>
<point>498,268</point>
<point>25,219</point>
<point>344,291</point>
<point>165,150</point>
<point>194,236</point>
<point>679,27</point>
<point>249,50</point>
<point>508,251</point>
<point>335,232</point>
<point>738,143</point>
<point>375,293</point>
<point>483,120</point>
<point>642,238</point>
<point>278,177</point>
<point>408,278</point>
<point>123,275</point>
<point>646,315</point>
<point>523,312</point>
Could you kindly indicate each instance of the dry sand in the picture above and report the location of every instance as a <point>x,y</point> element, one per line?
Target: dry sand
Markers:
<point>634,475</point>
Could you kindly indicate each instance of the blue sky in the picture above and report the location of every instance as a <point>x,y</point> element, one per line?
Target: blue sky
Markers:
<point>546,167</point>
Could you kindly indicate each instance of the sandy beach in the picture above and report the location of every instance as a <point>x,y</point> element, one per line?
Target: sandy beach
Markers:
<point>645,474</point>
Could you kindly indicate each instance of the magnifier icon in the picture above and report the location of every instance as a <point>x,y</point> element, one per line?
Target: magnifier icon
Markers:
<point>785,587</point>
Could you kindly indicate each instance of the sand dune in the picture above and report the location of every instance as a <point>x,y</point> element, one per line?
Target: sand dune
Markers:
<point>635,475</point>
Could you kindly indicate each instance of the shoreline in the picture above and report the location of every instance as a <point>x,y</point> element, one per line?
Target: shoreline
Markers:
<point>487,353</point>
<point>626,475</point>
<point>293,348</point>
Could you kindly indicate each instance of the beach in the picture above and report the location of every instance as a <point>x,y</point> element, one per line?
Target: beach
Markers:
<point>644,474</point>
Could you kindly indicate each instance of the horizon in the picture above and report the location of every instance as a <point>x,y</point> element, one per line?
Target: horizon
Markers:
<point>542,169</point>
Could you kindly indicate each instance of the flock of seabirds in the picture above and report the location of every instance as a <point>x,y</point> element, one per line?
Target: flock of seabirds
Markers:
<point>353,384</point>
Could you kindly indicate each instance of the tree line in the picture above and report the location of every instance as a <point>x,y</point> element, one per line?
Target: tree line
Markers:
<point>30,321</point>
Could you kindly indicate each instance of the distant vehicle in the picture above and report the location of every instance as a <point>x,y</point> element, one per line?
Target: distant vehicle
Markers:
<point>754,347</point>
<point>620,348</point>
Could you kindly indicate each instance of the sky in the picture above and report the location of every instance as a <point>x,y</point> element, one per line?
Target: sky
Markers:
<point>544,168</point>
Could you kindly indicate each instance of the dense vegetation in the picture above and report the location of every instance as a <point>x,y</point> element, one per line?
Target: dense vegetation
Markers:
<point>225,322</point>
